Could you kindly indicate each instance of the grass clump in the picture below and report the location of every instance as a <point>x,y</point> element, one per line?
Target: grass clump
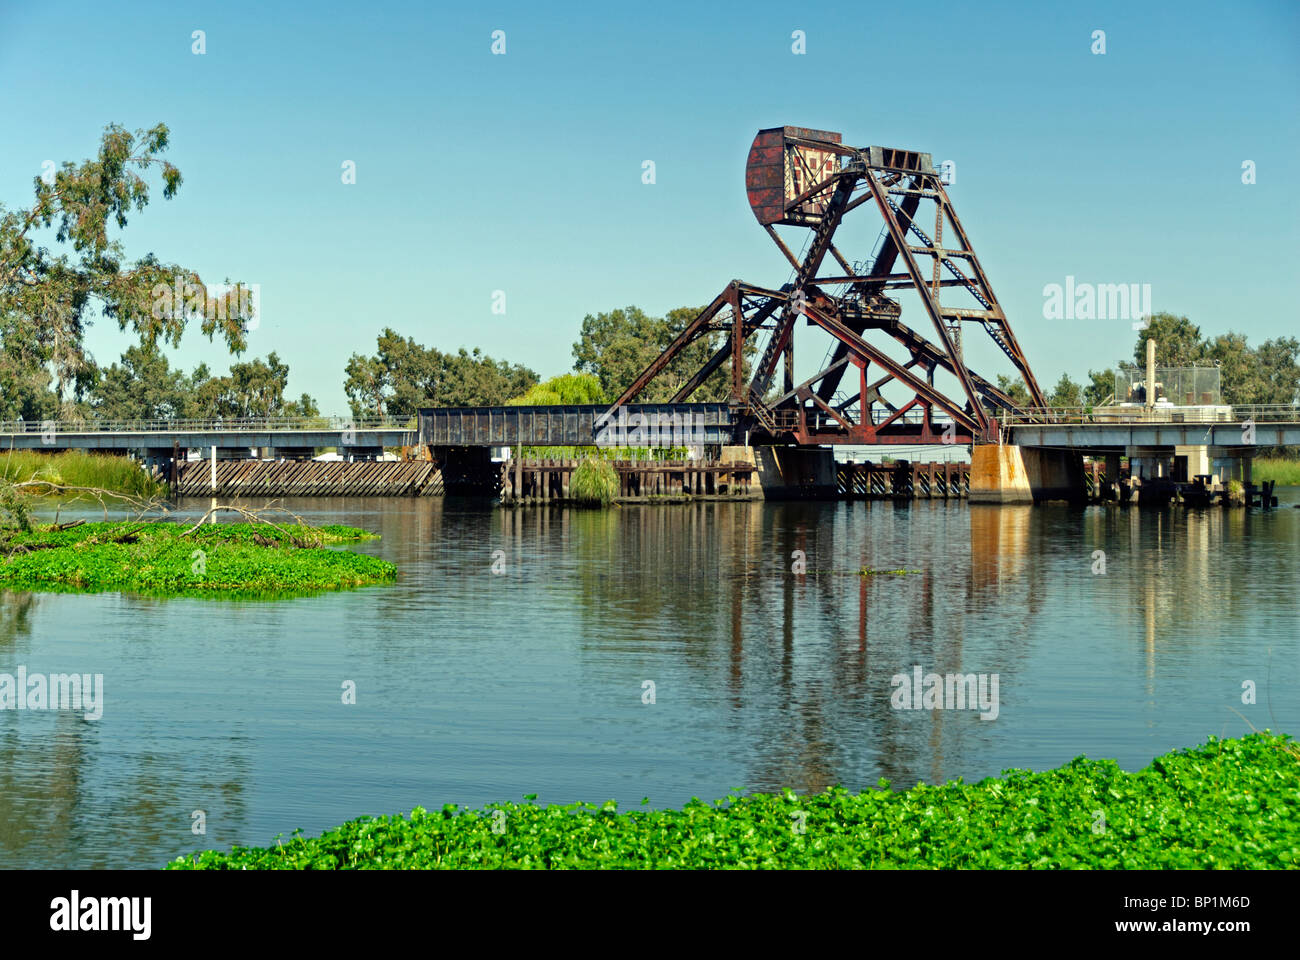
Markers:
<point>76,468</point>
<point>1226,804</point>
<point>1285,473</point>
<point>162,558</point>
<point>594,483</point>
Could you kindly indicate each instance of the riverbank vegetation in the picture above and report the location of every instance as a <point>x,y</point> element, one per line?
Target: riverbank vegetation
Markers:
<point>1285,473</point>
<point>76,468</point>
<point>1229,804</point>
<point>190,559</point>
<point>594,483</point>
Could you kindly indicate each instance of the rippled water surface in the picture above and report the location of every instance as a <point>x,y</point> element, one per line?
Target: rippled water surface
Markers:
<point>475,687</point>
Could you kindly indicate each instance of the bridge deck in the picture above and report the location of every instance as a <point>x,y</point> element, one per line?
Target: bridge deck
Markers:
<point>632,425</point>
<point>282,432</point>
<point>1117,427</point>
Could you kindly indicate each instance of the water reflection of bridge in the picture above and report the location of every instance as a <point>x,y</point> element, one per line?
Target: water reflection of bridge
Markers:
<point>794,668</point>
<point>804,662</point>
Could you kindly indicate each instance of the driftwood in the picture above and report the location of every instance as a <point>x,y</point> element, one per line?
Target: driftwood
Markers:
<point>21,548</point>
<point>255,515</point>
<point>140,505</point>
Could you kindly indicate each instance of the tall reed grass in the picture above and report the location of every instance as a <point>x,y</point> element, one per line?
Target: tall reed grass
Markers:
<point>76,468</point>
<point>594,483</point>
<point>1285,472</point>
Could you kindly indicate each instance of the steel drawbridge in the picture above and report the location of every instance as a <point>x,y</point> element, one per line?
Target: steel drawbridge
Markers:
<point>877,383</point>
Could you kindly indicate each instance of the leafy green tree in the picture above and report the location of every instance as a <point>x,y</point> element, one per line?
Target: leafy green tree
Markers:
<point>567,388</point>
<point>1099,388</point>
<point>1015,389</point>
<point>1178,341</point>
<point>1279,370</point>
<point>1268,375</point>
<point>1066,393</point>
<point>49,294</point>
<point>367,385</point>
<point>26,391</point>
<point>472,379</point>
<point>616,346</point>
<point>403,376</point>
<point>143,386</point>
<point>1239,374</point>
<point>252,390</point>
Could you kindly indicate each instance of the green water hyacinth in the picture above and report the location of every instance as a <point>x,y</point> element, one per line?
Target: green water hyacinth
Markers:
<point>1229,804</point>
<point>252,560</point>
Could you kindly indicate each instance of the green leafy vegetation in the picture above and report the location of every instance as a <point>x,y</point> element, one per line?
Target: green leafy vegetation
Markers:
<point>868,572</point>
<point>567,388</point>
<point>1284,472</point>
<point>76,468</point>
<point>145,387</point>
<point>49,294</point>
<point>1227,804</point>
<point>615,347</point>
<point>1266,374</point>
<point>403,376</point>
<point>158,557</point>
<point>595,483</point>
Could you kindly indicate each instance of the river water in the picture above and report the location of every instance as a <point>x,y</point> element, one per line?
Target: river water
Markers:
<point>649,651</point>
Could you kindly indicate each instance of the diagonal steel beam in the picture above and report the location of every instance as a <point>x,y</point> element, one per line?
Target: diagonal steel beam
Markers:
<point>750,324</point>
<point>882,267</point>
<point>904,376</point>
<point>927,298</point>
<point>689,333</point>
<point>807,271</point>
<point>1012,346</point>
<point>837,366</point>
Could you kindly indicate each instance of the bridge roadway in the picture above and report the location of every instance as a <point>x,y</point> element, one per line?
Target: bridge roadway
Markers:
<point>282,433</point>
<point>1115,429</point>
<point>1106,429</point>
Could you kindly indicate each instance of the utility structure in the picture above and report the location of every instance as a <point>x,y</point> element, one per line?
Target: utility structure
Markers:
<point>797,177</point>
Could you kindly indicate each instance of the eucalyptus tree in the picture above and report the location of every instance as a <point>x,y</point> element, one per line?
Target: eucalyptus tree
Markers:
<point>63,265</point>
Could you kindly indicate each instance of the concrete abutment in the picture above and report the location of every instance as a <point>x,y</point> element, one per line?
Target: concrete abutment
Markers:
<point>1006,473</point>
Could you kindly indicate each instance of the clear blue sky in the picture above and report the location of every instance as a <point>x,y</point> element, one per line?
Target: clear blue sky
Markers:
<point>523,172</point>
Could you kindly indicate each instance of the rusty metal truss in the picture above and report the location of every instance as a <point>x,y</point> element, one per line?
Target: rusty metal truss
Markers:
<point>804,178</point>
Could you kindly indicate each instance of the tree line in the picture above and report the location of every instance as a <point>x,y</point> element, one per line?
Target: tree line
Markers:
<point>612,348</point>
<point>1267,374</point>
<point>49,295</point>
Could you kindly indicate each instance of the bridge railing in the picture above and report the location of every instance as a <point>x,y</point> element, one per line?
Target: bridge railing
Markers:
<point>240,424</point>
<point>820,418</point>
<point>1267,413</point>
<point>1221,413</point>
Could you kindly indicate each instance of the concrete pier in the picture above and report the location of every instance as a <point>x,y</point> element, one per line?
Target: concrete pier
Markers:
<point>1006,473</point>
